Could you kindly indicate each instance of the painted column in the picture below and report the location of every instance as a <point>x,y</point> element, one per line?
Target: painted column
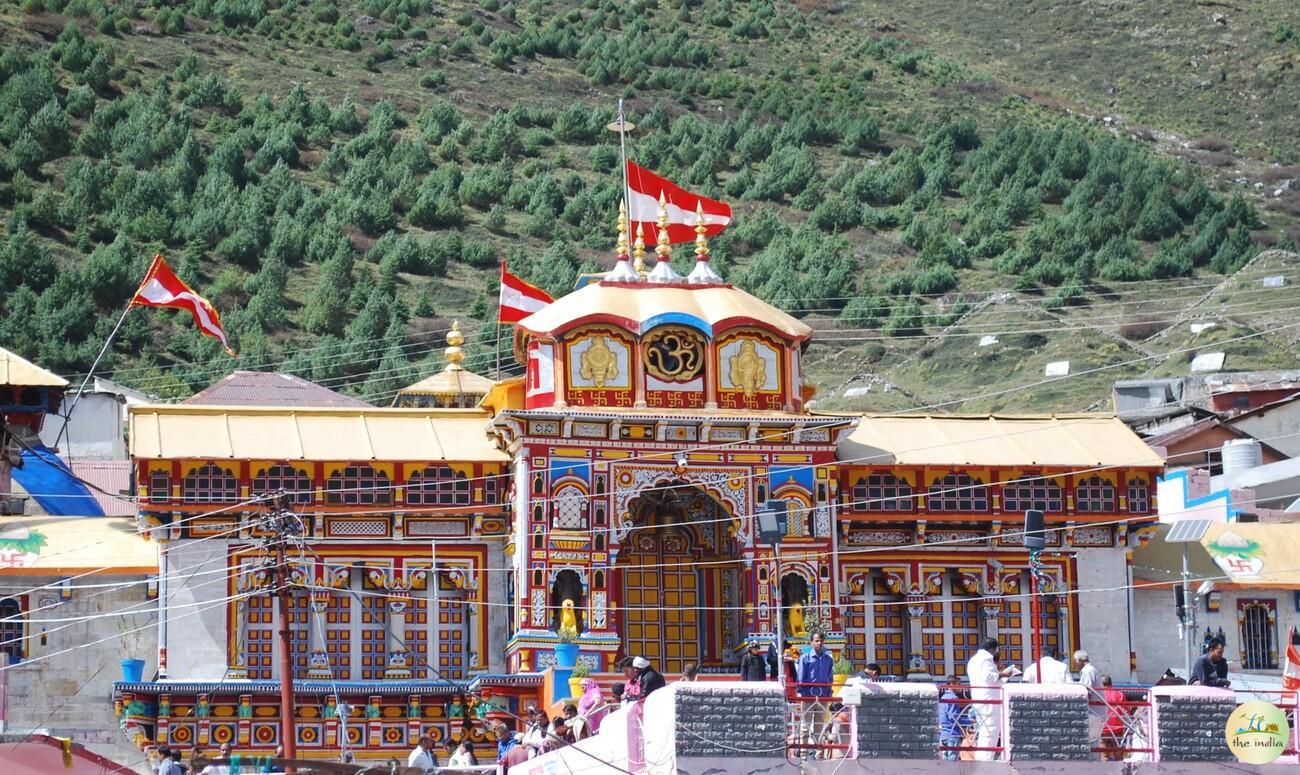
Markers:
<point>318,665</point>
<point>398,657</point>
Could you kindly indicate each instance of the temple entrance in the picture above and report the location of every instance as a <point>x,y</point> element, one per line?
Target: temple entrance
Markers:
<point>679,577</point>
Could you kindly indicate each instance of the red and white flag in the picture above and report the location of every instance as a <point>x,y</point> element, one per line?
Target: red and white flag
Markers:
<point>643,209</point>
<point>518,298</point>
<point>162,288</point>
<point>1291,671</point>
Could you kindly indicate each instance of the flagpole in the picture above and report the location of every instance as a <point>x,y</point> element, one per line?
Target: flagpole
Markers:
<point>67,417</point>
<point>622,146</point>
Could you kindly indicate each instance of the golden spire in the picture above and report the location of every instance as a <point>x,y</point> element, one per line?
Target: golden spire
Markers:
<point>620,249</point>
<point>701,242</point>
<point>453,353</point>
<point>638,250</point>
<point>664,250</point>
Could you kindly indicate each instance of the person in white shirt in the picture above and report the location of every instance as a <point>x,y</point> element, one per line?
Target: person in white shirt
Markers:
<point>985,678</point>
<point>1088,675</point>
<point>1054,670</point>
<point>422,757</point>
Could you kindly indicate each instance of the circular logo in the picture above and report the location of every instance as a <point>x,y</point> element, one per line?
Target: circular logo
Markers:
<point>1257,732</point>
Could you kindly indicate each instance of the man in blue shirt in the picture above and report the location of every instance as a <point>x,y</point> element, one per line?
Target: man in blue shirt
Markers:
<point>813,674</point>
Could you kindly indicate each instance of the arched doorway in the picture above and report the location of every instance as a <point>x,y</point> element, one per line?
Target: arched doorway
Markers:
<point>679,578</point>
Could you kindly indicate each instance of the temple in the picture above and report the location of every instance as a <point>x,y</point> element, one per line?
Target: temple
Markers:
<point>456,542</point>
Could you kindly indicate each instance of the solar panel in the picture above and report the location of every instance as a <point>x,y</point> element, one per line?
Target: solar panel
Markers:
<point>1187,531</point>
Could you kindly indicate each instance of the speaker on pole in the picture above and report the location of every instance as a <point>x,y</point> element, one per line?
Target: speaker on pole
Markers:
<point>1035,537</point>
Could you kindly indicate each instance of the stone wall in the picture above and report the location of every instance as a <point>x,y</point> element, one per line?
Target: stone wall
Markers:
<point>1191,721</point>
<point>1103,612</point>
<point>68,693</point>
<point>724,719</point>
<point>898,721</point>
<point>1047,722</point>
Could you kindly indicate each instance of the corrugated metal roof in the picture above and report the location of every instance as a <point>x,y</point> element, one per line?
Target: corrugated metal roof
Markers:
<point>111,475</point>
<point>284,433</point>
<point>264,388</point>
<point>1081,441</point>
<point>17,371</point>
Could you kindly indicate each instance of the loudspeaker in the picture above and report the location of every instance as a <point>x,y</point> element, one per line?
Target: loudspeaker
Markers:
<point>1035,538</point>
<point>1180,603</point>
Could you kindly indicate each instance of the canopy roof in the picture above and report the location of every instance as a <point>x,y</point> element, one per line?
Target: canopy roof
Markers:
<point>270,433</point>
<point>53,546</point>
<point>1080,441</point>
<point>17,371</point>
<point>1256,555</point>
<point>641,306</point>
<point>453,380</point>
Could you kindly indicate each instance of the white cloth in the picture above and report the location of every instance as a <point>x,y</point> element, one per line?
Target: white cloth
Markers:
<point>461,758</point>
<point>1054,672</point>
<point>420,759</point>
<point>1089,677</point>
<point>982,672</point>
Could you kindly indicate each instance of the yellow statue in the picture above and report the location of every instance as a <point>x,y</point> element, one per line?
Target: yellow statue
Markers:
<point>568,619</point>
<point>797,627</point>
<point>599,363</point>
<point>747,369</point>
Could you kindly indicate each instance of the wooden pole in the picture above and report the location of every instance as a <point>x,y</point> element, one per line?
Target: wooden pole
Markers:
<point>76,397</point>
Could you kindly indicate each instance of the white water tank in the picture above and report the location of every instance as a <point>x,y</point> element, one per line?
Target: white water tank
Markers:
<point>1241,455</point>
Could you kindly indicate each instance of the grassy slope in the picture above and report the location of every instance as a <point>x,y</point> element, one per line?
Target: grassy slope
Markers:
<point>985,74</point>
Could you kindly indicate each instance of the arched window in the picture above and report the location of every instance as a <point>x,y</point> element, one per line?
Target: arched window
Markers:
<point>1094,494</point>
<point>437,486</point>
<point>210,483</point>
<point>358,485</point>
<point>11,630</point>
<point>1033,493</point>
<point>1139,496</point>
<point>283,476</point>
<point>1257,635</point>
<point>958,492</point>
<point>569,508</point>
<point>882,492</point>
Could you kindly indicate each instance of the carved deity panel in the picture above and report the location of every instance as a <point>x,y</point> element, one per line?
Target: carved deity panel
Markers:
<point>674,358</point>
<point>599,366</point>
<point>749,373</point>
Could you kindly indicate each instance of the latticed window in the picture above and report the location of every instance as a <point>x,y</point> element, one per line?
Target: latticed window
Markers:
<point>358,485</point>
<point>284,477</point>
<point>438,486</point>
<point>882,492</point>
<point>11,630</point>
<point>1094,494</point>
<point>210,483</point>
<point>160,486</point>
<point>958,492</point>
<point>1139,496</point>
<point>1257,635</point>
<point>1033,493</point>
<point>569,509</point>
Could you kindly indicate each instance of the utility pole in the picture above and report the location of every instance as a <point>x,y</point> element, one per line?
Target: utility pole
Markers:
<point>284,525</point>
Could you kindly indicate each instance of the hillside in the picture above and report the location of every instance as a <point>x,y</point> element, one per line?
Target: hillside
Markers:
<point>342,178</point>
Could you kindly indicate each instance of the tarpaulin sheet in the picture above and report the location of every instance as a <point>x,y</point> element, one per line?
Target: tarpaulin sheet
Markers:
<point>52,484</point>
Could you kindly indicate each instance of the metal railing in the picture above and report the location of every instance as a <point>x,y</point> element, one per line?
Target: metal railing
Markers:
<point>819,725</point>
<point>961,719</point>
<point>1124,733</point>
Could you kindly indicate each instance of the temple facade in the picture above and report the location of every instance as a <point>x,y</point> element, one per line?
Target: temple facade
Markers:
<point>611,496</point>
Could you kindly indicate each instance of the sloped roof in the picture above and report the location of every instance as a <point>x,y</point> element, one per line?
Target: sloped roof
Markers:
<point>17,371</point>
<point>1201,426</point>
<point>64,545</point>
<point>108,476</point>
<point>1253,555</point>
<point>265,388</point>
<point>1082,441</point>
<point>160,431</point>
<point>452,380</point>
<point>639,307</point>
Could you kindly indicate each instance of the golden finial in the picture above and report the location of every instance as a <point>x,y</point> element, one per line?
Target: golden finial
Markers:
<point>664,250</point>
<point>701,243</point>
<point>621,248</point>
<point>453,352</point>
<point>638,250</point>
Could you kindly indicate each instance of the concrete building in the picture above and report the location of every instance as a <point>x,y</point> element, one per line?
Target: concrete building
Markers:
<point>76,598</point>
<point>1275,423</point>
<point>96,430</point>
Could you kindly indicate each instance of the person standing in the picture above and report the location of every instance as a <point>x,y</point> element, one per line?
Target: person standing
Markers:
<point>1088,675</point>
<point>954,718</point>
<point>167,764</point>
<point>1054,671</point>
<point>1113,731</point>
<point>813,675</point>
<point>1211,668</point>
<point>756,665</point>
<point>647,678</point>
<point>986,681</point>
<point>691,672</point>
<point>422,757</point>
<point>220,769</point>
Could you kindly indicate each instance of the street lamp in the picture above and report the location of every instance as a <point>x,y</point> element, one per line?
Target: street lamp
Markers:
<point>773,519</point>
